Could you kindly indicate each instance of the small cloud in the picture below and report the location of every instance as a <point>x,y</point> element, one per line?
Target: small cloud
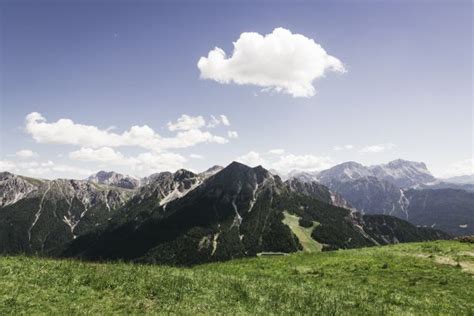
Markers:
<point>103,155</point>
<point>345,147</point>
<point>196,156</point>
<point>280,61</point>
<point>276,151</point>
<point>377,148</point>
<point>252,159</point>
<point>232,134</point>
<point>219,120</point>
<point>224,120</point>
<point>186,123</point>
<point>26,154</point>
<point>285,163</point>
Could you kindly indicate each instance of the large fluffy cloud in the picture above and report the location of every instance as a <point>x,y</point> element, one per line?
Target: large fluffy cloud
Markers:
<point>280,61</point>
<point>65,131</point>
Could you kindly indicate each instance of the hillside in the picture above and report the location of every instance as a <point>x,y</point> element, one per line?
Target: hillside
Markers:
<point>238,212</point>
<point>415,278</point>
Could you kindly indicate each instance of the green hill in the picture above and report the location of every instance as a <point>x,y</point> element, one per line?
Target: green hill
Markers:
<point>416,278</point>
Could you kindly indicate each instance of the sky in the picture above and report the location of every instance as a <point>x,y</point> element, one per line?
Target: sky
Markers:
<point>146,86</point>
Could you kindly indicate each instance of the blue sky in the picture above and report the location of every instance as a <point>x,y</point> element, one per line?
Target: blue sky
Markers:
<point>406,92</point>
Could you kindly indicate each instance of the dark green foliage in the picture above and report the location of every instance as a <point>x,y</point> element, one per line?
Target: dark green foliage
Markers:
<point>388,229</point>
<point>449,210</point>
<point>305,222</point>
<point>336,225</point>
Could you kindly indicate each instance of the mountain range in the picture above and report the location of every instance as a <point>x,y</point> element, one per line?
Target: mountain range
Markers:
<point>404,189</point>
<point>187,218</point>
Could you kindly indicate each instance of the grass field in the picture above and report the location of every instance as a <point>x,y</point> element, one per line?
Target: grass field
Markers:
<point>418,278</point>
<point>303,233</point>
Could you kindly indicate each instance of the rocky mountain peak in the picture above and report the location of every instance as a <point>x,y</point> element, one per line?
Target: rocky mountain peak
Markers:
<point>347,171</point>
<point>14,188</point>
<point>114,179</point>
<point>403,173</point>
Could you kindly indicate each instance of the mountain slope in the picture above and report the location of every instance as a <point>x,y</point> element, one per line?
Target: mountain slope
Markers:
<point>239,211</point>
<point>447,209</point>
<point>52,213</point>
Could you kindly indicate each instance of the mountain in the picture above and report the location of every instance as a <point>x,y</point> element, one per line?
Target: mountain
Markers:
<point>403,173</point>
<point>306,186</point>
<point>465,179</point>
<point>14,188</point>
<point>38,216</point>
<point>344,172</point>
<point>237,212</point>
<point>439,184</point>
<point>114,179</point>
<point>450,210</point>
<point>211,171</point>
<point>383,189</point>
<point>372,196</point>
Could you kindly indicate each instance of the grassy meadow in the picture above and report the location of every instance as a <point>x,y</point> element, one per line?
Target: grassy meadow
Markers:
<point>417,278</point>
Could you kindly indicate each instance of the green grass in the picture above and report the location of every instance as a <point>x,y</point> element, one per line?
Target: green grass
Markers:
<point>302,233</point>
<point>398,279</point>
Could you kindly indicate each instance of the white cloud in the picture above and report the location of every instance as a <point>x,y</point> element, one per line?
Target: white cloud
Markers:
<point>219,120</point>
<point>225,120</point>
<point>290,162</point>
<point>99,146</point>
<point>377,148</point>
<point>277,151</point>
<point>186,122</point>
<point>286,162</point>
<point>150,162</point>
<point>103,155</point>
<point>6,165</point>
<point>65,131</point>
<point>45,168</point>
<point>460,168</point>
<point>252,159</point>
<point>142,164</point>
<point>196,156</point>
<point>26,154</point>
<point>232,134</point>
<point>345,147</point>
<point>279,61</point>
